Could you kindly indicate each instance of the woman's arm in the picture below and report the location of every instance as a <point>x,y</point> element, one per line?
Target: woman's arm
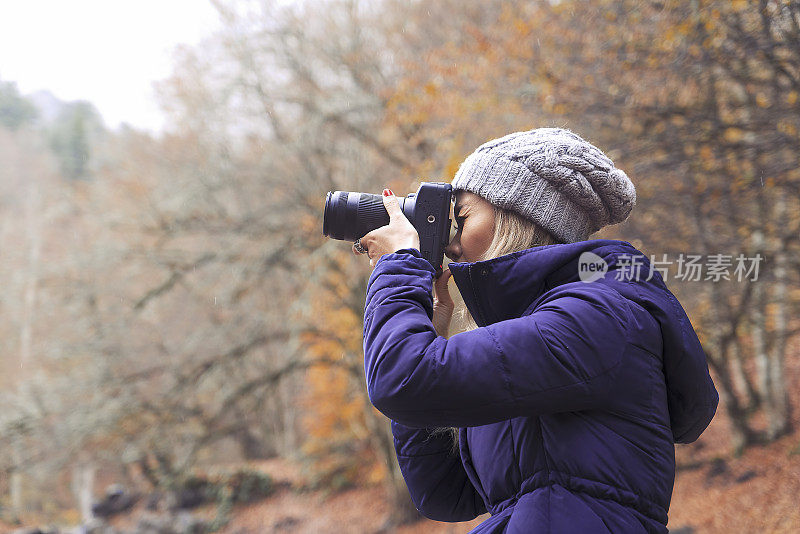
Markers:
<point>562,357</point>
<point>434,474</point>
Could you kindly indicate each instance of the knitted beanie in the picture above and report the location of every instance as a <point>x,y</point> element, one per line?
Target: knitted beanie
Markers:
<point>552,177</point>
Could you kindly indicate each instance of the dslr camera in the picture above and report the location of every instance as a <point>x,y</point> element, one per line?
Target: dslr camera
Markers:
<point>350,216</point>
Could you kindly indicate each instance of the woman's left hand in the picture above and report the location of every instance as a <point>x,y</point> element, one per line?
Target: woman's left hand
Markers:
<point>396,235</point>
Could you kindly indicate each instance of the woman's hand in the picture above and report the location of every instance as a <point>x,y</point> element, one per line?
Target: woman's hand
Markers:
<point>443,304</point>
<point>396,235</point>
<point>400,234</point>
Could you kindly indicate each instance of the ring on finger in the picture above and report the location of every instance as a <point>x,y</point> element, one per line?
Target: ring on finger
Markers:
<point>359,247</point>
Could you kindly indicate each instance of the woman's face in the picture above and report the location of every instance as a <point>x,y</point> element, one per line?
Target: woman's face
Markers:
<point>474,219</point>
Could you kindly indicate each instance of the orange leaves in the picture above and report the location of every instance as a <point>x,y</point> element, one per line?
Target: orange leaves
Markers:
<point>733,135</point>
<point>707,160</point>
<point>478,82</point>
<point>308,224</point>
<point>454,159</point>
<point>335,401</point>
<point>334,412</point>
<point>678,120</point>
<point>762,100</point>
<point>738,5</point>
<point>431,89</point>
<point>787,127</point>
<point>481,43</point>
<point>522,27</point>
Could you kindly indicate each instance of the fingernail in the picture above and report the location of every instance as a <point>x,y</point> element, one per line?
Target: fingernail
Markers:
<point>387,192</point>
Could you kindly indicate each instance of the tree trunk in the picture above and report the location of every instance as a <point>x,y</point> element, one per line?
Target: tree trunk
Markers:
<point>16,492</point>
<point>741,433</point>
<point>34,239</point>
<point>758,331</point>
<point>288,415</point>
<point>252,446</point>
<point>744,385</point>
<point>779,422</point>
<point>719,359</point>
<point>83,488</point>
<point>15,484</point>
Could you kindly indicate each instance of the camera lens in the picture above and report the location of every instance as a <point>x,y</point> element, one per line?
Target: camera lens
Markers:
<point>349,216</point>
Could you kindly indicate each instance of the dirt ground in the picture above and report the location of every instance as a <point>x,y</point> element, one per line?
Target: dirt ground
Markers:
<point>757,492</point>
<point>714,492</point>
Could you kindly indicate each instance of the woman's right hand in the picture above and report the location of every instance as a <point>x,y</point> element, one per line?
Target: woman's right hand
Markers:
<point>443,304</point>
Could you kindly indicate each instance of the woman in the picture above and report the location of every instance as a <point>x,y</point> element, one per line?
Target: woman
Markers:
<point>580,373</point>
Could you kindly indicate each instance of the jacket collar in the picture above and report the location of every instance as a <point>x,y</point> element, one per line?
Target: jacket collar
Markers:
<point>506,287</point>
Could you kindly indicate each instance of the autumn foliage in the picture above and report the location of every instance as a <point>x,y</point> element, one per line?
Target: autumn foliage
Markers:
<point>169,301</point>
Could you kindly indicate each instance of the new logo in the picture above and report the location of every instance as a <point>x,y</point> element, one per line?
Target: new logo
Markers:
<point>591,267</point>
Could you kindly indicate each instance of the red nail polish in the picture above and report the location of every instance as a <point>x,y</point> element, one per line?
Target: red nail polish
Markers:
<point>387,192</point>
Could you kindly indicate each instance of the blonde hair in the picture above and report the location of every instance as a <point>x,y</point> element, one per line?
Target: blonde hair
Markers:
<point>512,233</point>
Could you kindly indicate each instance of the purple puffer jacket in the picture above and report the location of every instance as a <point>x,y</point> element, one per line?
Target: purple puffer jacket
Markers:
<point>569,397</point>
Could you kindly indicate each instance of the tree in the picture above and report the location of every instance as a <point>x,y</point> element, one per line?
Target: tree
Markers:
<point>687,97</point>
<point>15,110</point>
<point>696,90</point>
<point>73,134</point>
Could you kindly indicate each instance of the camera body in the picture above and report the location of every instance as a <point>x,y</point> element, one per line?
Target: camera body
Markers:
<point>350,216</point>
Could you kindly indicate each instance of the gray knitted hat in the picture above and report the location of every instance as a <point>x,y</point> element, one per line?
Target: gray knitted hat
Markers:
<point>552,177</point>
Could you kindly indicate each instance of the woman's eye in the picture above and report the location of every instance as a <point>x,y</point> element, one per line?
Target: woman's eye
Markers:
<point>456,228</point>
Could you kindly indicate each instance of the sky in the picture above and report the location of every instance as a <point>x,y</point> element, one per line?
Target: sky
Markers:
<point>108,52</point>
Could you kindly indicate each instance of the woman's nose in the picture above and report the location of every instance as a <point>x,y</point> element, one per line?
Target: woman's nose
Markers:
<point>453,250</point>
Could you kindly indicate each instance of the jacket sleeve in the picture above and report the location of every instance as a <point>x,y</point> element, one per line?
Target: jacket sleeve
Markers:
<point>435,476</point>
<point>559,358</point>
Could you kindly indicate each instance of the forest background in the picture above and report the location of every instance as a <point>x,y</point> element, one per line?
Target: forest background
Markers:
<point>170,305</point>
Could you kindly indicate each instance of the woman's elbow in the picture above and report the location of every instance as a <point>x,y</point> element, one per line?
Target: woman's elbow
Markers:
<point>389,399</point>
<point>447,516</point>
<point>438,510</point>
